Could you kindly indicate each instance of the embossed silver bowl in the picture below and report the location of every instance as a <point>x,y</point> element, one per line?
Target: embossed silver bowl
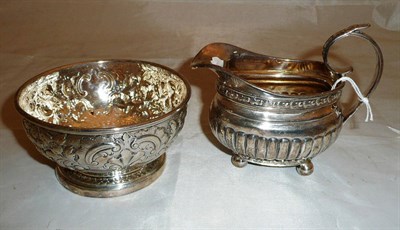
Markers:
<point>107,124</point>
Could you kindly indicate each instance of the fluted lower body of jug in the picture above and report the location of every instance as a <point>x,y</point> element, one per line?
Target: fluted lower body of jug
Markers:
<point>278,137</point>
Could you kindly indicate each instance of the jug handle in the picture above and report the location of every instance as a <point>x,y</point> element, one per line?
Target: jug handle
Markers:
<point>354,31</point>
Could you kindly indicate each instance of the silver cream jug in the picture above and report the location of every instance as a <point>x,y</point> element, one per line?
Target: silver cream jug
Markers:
<point>276,111</point>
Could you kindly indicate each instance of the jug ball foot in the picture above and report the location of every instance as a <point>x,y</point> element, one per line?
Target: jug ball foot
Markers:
<point>238,161</point>
<point>305,168</point>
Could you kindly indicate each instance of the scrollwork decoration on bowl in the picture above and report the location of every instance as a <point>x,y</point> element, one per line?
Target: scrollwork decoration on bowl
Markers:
<point>105,152</point>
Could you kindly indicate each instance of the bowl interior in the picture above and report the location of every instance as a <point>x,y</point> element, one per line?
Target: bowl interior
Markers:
<point>103,94</point>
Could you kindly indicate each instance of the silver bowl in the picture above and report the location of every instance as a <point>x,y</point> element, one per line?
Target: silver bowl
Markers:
<point>107,124</point>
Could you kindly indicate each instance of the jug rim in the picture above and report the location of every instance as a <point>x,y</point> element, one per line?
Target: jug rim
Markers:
<point>227,54</point>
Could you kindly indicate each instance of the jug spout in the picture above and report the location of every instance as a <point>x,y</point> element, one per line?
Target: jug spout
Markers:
<point>215,56</point>
<point>224,59</point>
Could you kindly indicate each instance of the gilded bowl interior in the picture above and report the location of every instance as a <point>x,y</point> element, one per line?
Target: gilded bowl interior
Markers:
<point>103,94</point>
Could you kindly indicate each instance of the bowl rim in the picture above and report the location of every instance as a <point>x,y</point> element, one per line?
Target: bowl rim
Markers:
<point>58,128</point>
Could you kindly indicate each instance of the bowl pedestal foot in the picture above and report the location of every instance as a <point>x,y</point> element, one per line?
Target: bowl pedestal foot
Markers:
<point>113,183</point>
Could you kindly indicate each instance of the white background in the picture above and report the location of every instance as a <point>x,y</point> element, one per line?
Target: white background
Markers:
<point>356,181</point>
